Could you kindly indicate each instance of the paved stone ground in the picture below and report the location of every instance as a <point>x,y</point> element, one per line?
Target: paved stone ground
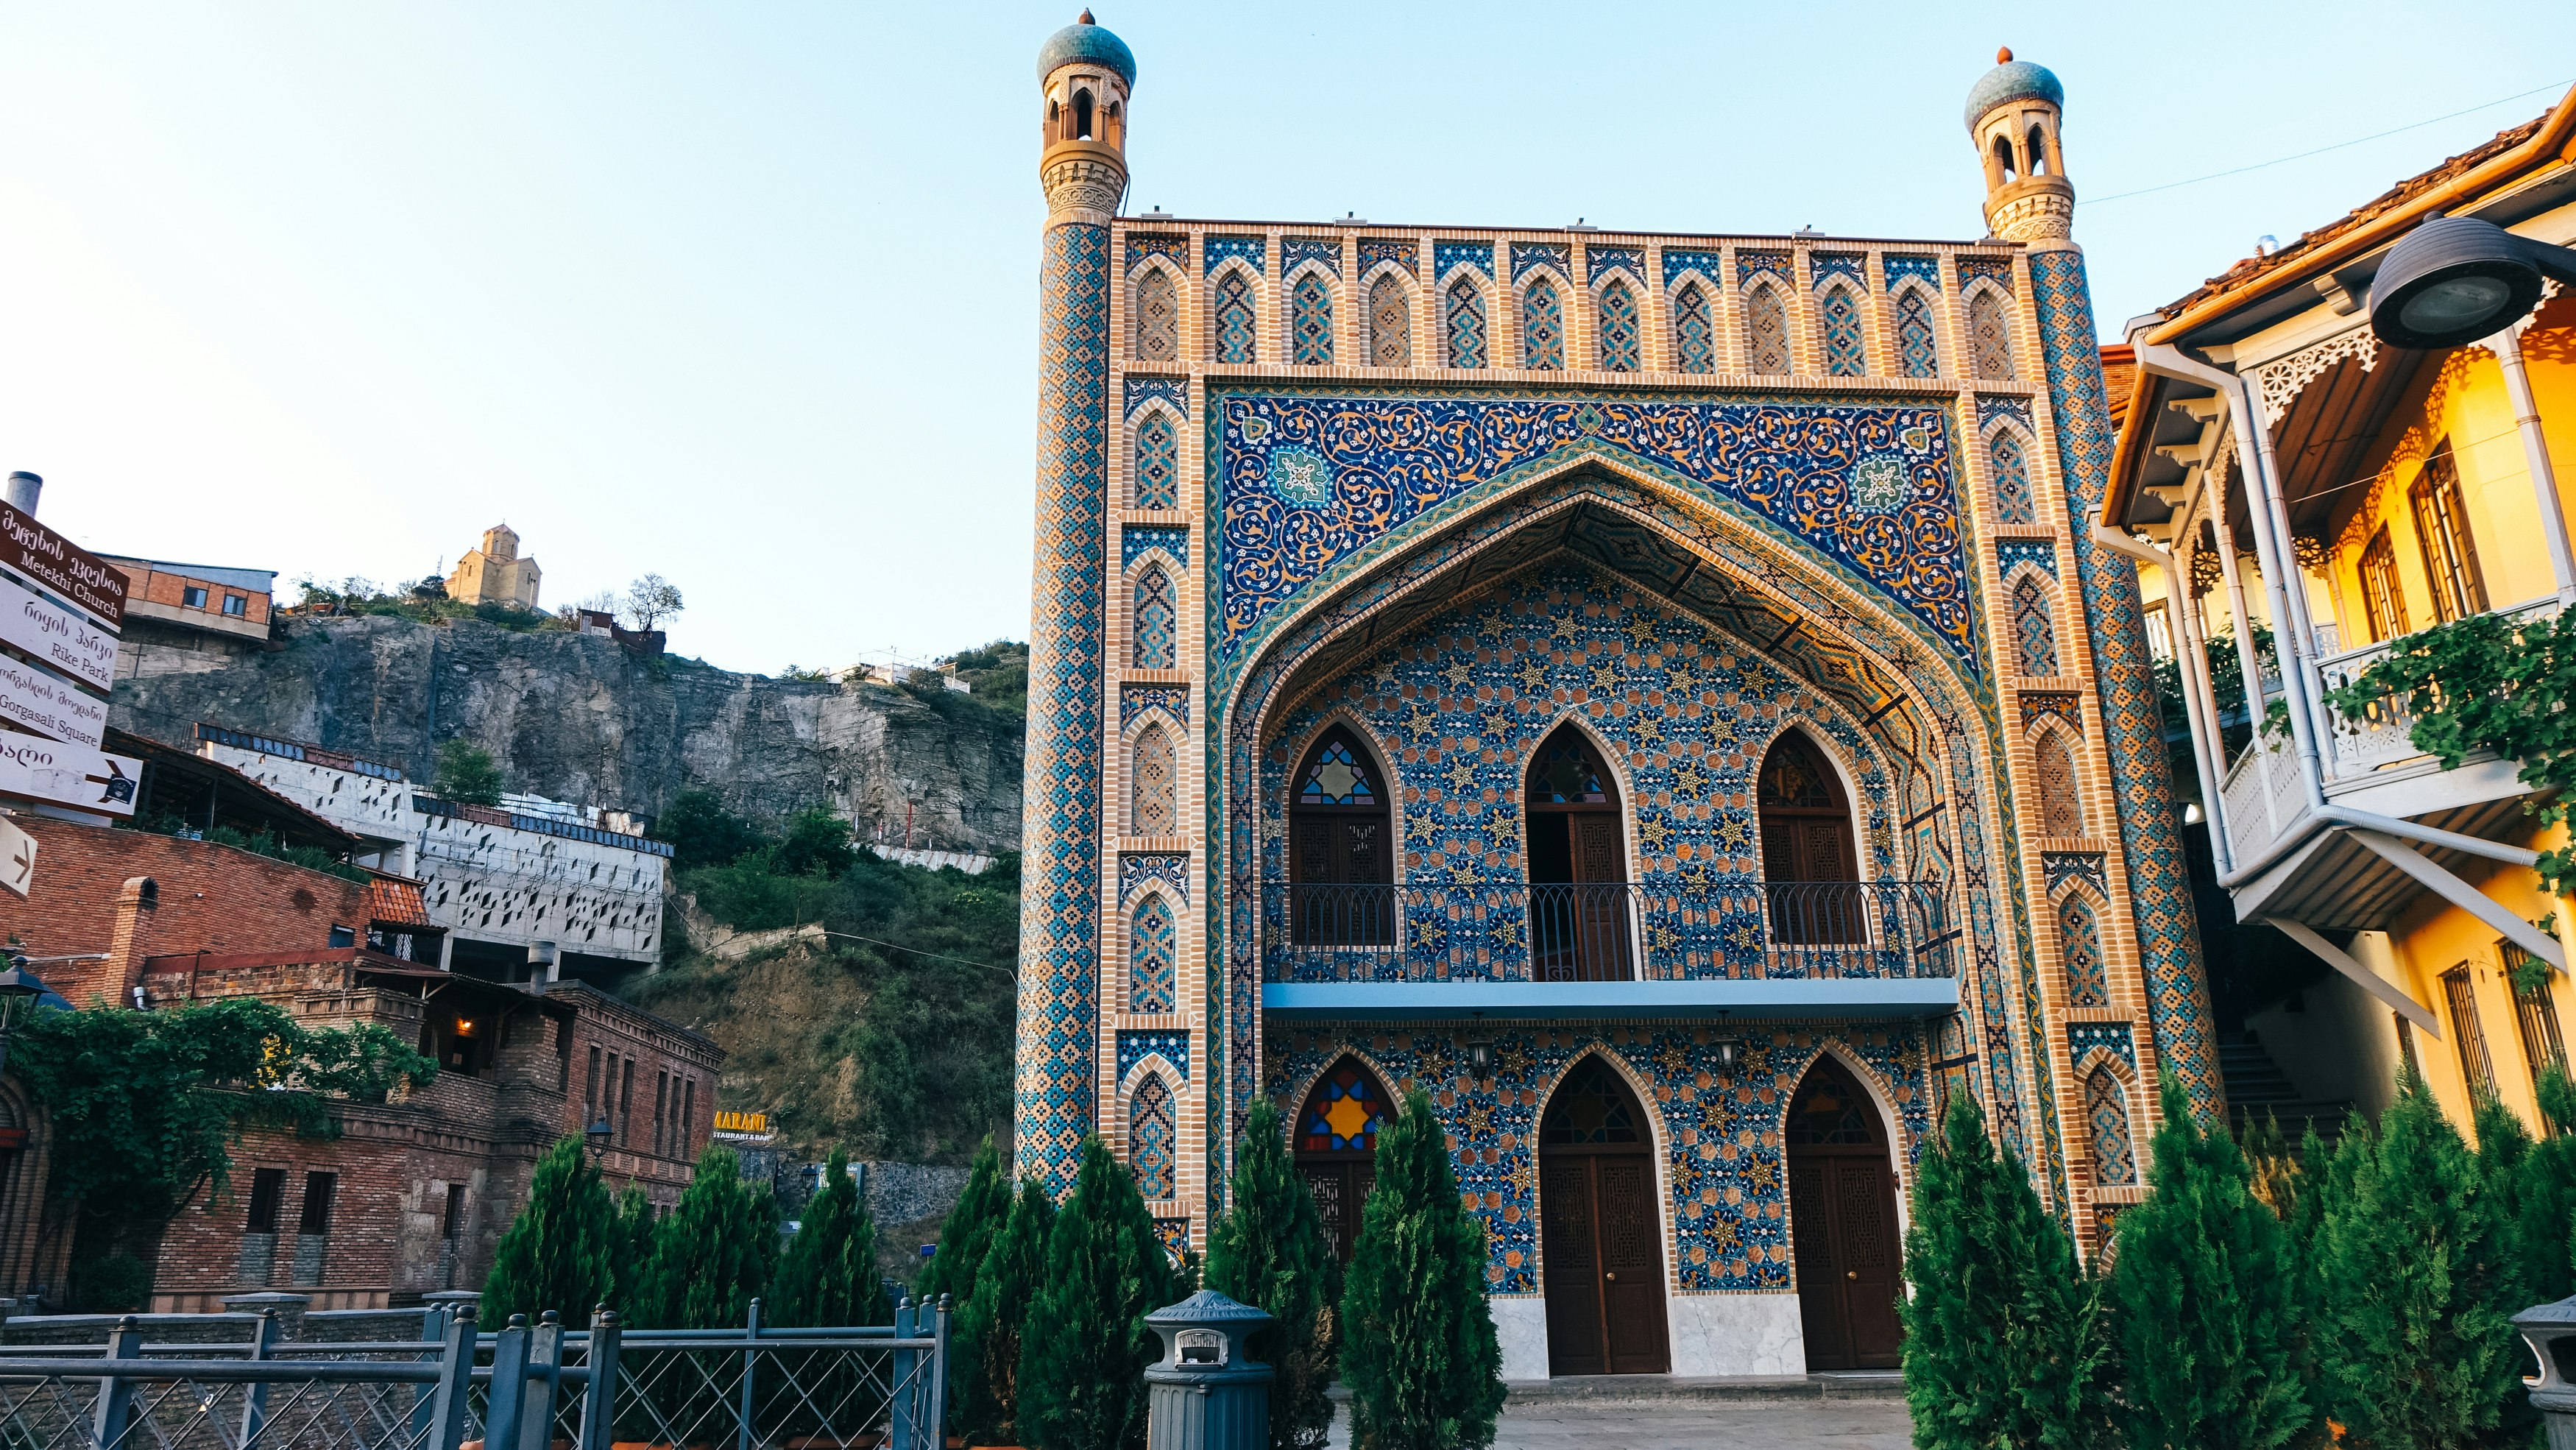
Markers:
<point>1721,1421</point>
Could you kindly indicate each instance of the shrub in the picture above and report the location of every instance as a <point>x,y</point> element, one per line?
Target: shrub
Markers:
<point>1269,1250</point>
<point>968,1231</point>
<point>2548,1196</point>
<point>1086,1345</point>
<point>113,1283</point>
<point>714,1254</point>
<point>702,832</point>
<point>828,1275</point>
<point>466,775</point>
<point>990,1330</point>
<point>1418,1346</point>
<point>560,1253</point>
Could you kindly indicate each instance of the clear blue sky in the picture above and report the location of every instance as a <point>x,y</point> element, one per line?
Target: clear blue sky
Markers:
<point>744,294</point>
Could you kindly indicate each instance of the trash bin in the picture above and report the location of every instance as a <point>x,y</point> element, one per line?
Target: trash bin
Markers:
<point>1207,1393</point>
<point>2550,1330</point>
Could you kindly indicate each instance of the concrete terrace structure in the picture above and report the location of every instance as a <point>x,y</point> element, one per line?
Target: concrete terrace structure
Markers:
<point>1655,694</point>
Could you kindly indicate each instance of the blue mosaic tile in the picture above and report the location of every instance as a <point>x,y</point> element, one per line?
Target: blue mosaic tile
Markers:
<point>1141,247</point>
<point>1135,539</point>
<point>1993,408</point>
<point>1139,869</point>
<point>1821,265</point>
<point>1972,267</point>
<point>1604,260</point>
<point>1135,1047</point>
<point>1445,255</point>
<point>1296,251</point>
<point>1140,391</point>
<point>1711,265</point>
<point>1749,265</point>
<point>1135,700</point>
<point>1924,269</point>
<point>1215,250</point>
<point>2061,867</point>
<point>1373,250</point>
<point>1526,255</point>
<point>2011,552</point>
<point>2038,705</point>
<point>2112,1037</point>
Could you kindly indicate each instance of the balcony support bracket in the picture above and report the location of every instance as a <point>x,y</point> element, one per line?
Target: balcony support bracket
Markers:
<point>2466,897</point>
<point>2395,997</point>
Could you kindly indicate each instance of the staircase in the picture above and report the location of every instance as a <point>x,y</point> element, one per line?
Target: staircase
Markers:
<point>2256,1087</point>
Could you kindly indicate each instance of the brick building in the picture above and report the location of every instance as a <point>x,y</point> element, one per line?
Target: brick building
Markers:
<point>414,1192</point>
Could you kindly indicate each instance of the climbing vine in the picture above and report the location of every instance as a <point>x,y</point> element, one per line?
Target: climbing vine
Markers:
<point>2489,683</point>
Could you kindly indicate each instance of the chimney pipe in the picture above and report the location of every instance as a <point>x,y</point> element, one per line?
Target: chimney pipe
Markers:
<point>24,489</point>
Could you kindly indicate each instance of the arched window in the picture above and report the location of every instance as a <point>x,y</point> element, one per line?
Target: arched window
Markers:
<point>1390,323</point>
<point>1153,971</point>
<point>1082,115</point>
<point>1158,318</point>
<point>2034,626</point>
<point>2014,502</point>
<point>2106,1122</point>
<point>1989,334</point>
<point>1845,356</point>
<point>1311,323</point>
<point>2036,148</point>
<point>1152,1134</point>
<point>1157,480</point>
<point>1917,354</point>
<point>1336,1146</point>
<point>1578,864</point>
<point>1809,860</point>
<point>1234,324</point>
<point>2004,157</point>
<point>1619,330</point>
<point>1542,328</point>
<point>1466,324</point>
<point>1766,330</point>
<point>1156,614</point>
<point>1694,333</point>
<point>2079,939</point>
<point>2061,800</point>
<point>1152,784</point>
<point>1341,850</point>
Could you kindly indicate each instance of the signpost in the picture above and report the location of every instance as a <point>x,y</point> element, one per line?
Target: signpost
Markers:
<point>17,857</point>
<point>68,775</point>
<point>63,638</point>
<point>61,609</point>
<point>29,548</point>
<point>42,701</point>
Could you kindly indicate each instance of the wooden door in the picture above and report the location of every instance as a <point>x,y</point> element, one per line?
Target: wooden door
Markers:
<point>1341,862</point>
<point>1340,1191</point>
<point>1336,1148</point>
<point>1600,1233</point>
<point>1842,1217</point>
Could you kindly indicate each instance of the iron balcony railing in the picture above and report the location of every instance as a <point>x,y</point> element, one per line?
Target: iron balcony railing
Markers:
<point>1518,931</point>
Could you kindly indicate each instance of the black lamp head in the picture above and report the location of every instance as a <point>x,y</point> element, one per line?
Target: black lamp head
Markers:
<point>2455,280</point>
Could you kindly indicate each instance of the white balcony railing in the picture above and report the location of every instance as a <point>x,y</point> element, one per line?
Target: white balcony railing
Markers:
<point>2378,737</point>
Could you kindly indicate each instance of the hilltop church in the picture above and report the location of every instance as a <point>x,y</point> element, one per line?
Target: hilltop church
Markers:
<point>1658,694</point>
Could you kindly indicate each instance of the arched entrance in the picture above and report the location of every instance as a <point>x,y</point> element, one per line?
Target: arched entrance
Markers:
<point>1578,864</point>
<point>1341,848</point>
<point>1600,1238</point>
<point>1809,866</point>
<point>1336,1148</point>
<point>1842,1223</point>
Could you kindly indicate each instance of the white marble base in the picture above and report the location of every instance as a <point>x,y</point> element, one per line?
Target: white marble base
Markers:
<point>1520,1324</point>
<point>1732,1334</point>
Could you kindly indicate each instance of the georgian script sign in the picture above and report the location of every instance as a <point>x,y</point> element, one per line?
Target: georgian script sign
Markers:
<point>70,775</point>
<point>62,566</point>
<point>50,705</point>
<point>58,636</point>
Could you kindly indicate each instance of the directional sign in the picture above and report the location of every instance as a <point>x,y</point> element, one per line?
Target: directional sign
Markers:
<point>70,775</point>
<point>48,704</point>
<point>17,857</point>
<point>64,638</point>
<point>62,566</point>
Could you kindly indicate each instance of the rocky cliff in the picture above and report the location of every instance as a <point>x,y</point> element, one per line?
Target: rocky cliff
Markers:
<point>577,718</point>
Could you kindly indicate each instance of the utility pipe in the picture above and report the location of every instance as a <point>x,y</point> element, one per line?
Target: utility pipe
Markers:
<point>2293,586</point>
<point>2188,611</point>
<point>2507,346</point>
<point>2121,543</point>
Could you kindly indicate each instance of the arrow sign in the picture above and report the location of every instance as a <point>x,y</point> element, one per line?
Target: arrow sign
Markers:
<point>66,774</point>
<point>17,857</point>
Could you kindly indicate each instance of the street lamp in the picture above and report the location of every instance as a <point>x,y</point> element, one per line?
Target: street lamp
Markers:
<point>2456,280</point>
<point>19,990</point>
<point>597,1136</point>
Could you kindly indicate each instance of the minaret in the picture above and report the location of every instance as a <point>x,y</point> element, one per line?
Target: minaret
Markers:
<point>2013,113</point>
<point>1085,74</point>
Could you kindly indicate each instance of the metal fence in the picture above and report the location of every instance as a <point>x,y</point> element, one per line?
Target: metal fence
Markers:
<point>526,1387</point>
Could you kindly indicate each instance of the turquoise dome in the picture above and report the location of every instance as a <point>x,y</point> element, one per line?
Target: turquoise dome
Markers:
<point>2014,80</point>
<point>1083,40</point>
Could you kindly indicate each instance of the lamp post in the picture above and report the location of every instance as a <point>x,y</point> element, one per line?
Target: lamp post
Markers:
<point>596,1136</point>
<point>18,992</point>
<point>2457,280</point>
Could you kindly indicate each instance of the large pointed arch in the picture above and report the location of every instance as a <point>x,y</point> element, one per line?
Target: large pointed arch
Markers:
<point>1843,1222</point>
<point>1333,1138</point>
<point>1601,1224</point>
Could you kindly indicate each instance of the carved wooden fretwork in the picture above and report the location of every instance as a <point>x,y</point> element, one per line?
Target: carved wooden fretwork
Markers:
<point>2282,379</point>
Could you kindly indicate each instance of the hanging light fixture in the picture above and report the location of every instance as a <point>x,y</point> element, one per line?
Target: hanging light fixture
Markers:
<point>2455,280</point>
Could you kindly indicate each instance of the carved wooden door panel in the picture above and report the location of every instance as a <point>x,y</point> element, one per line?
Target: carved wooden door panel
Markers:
<point>1600,907</point>
<point>1819,1266</point>
<point>1632,1265</point>
<point>1574,1344</point>
<point>1340,1191</point>
<point>1865,1232</point>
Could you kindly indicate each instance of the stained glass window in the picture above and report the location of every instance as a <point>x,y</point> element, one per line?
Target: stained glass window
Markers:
<point>1694,334</point>
<point>1153,973</point>
<point>1312,323</point>
<point>1156,614</point>
<point>1390,323</point>
<point>2080,938</point>
<point>2014,502</point>
<point>1158,318</point>
<point>1466,324</point>
<point>1152,1134</point>
<point>1989,334</point>
<point>1339,777</point>
<point>1343,1113</point>
<point>1916,352</point>
<point>1152,780</point>
<point>1766,330</point>
<point>1234,325</point>
<point>1542,328</point>
<point>1591,1106</point>
<point>1828,1110</point>
<point>2034,626</point>
<point>1619,330</point>
<point>2106,1117</point>
<point>1844,355</point>
<point>1157,481</point>
<point>2061,802</point>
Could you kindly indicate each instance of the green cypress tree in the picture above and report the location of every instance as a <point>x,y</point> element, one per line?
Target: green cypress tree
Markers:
<point>2201,1290</point>
<point>1418,1346</point>
<point>1085,1348</point>
<point>967,1232</point>
<point>986,1338</point>
<point>560,1252</point>
<point>1269,1251</point>
<point>2548,1196</point>
<point>633,1245</point>
<point>2414,1254</point>
<point>2002,1339</point>
<point>828,1274</point>
<point>713,1254</point>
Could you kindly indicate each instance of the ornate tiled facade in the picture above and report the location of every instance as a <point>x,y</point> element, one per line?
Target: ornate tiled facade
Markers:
<point>1705,491</point>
